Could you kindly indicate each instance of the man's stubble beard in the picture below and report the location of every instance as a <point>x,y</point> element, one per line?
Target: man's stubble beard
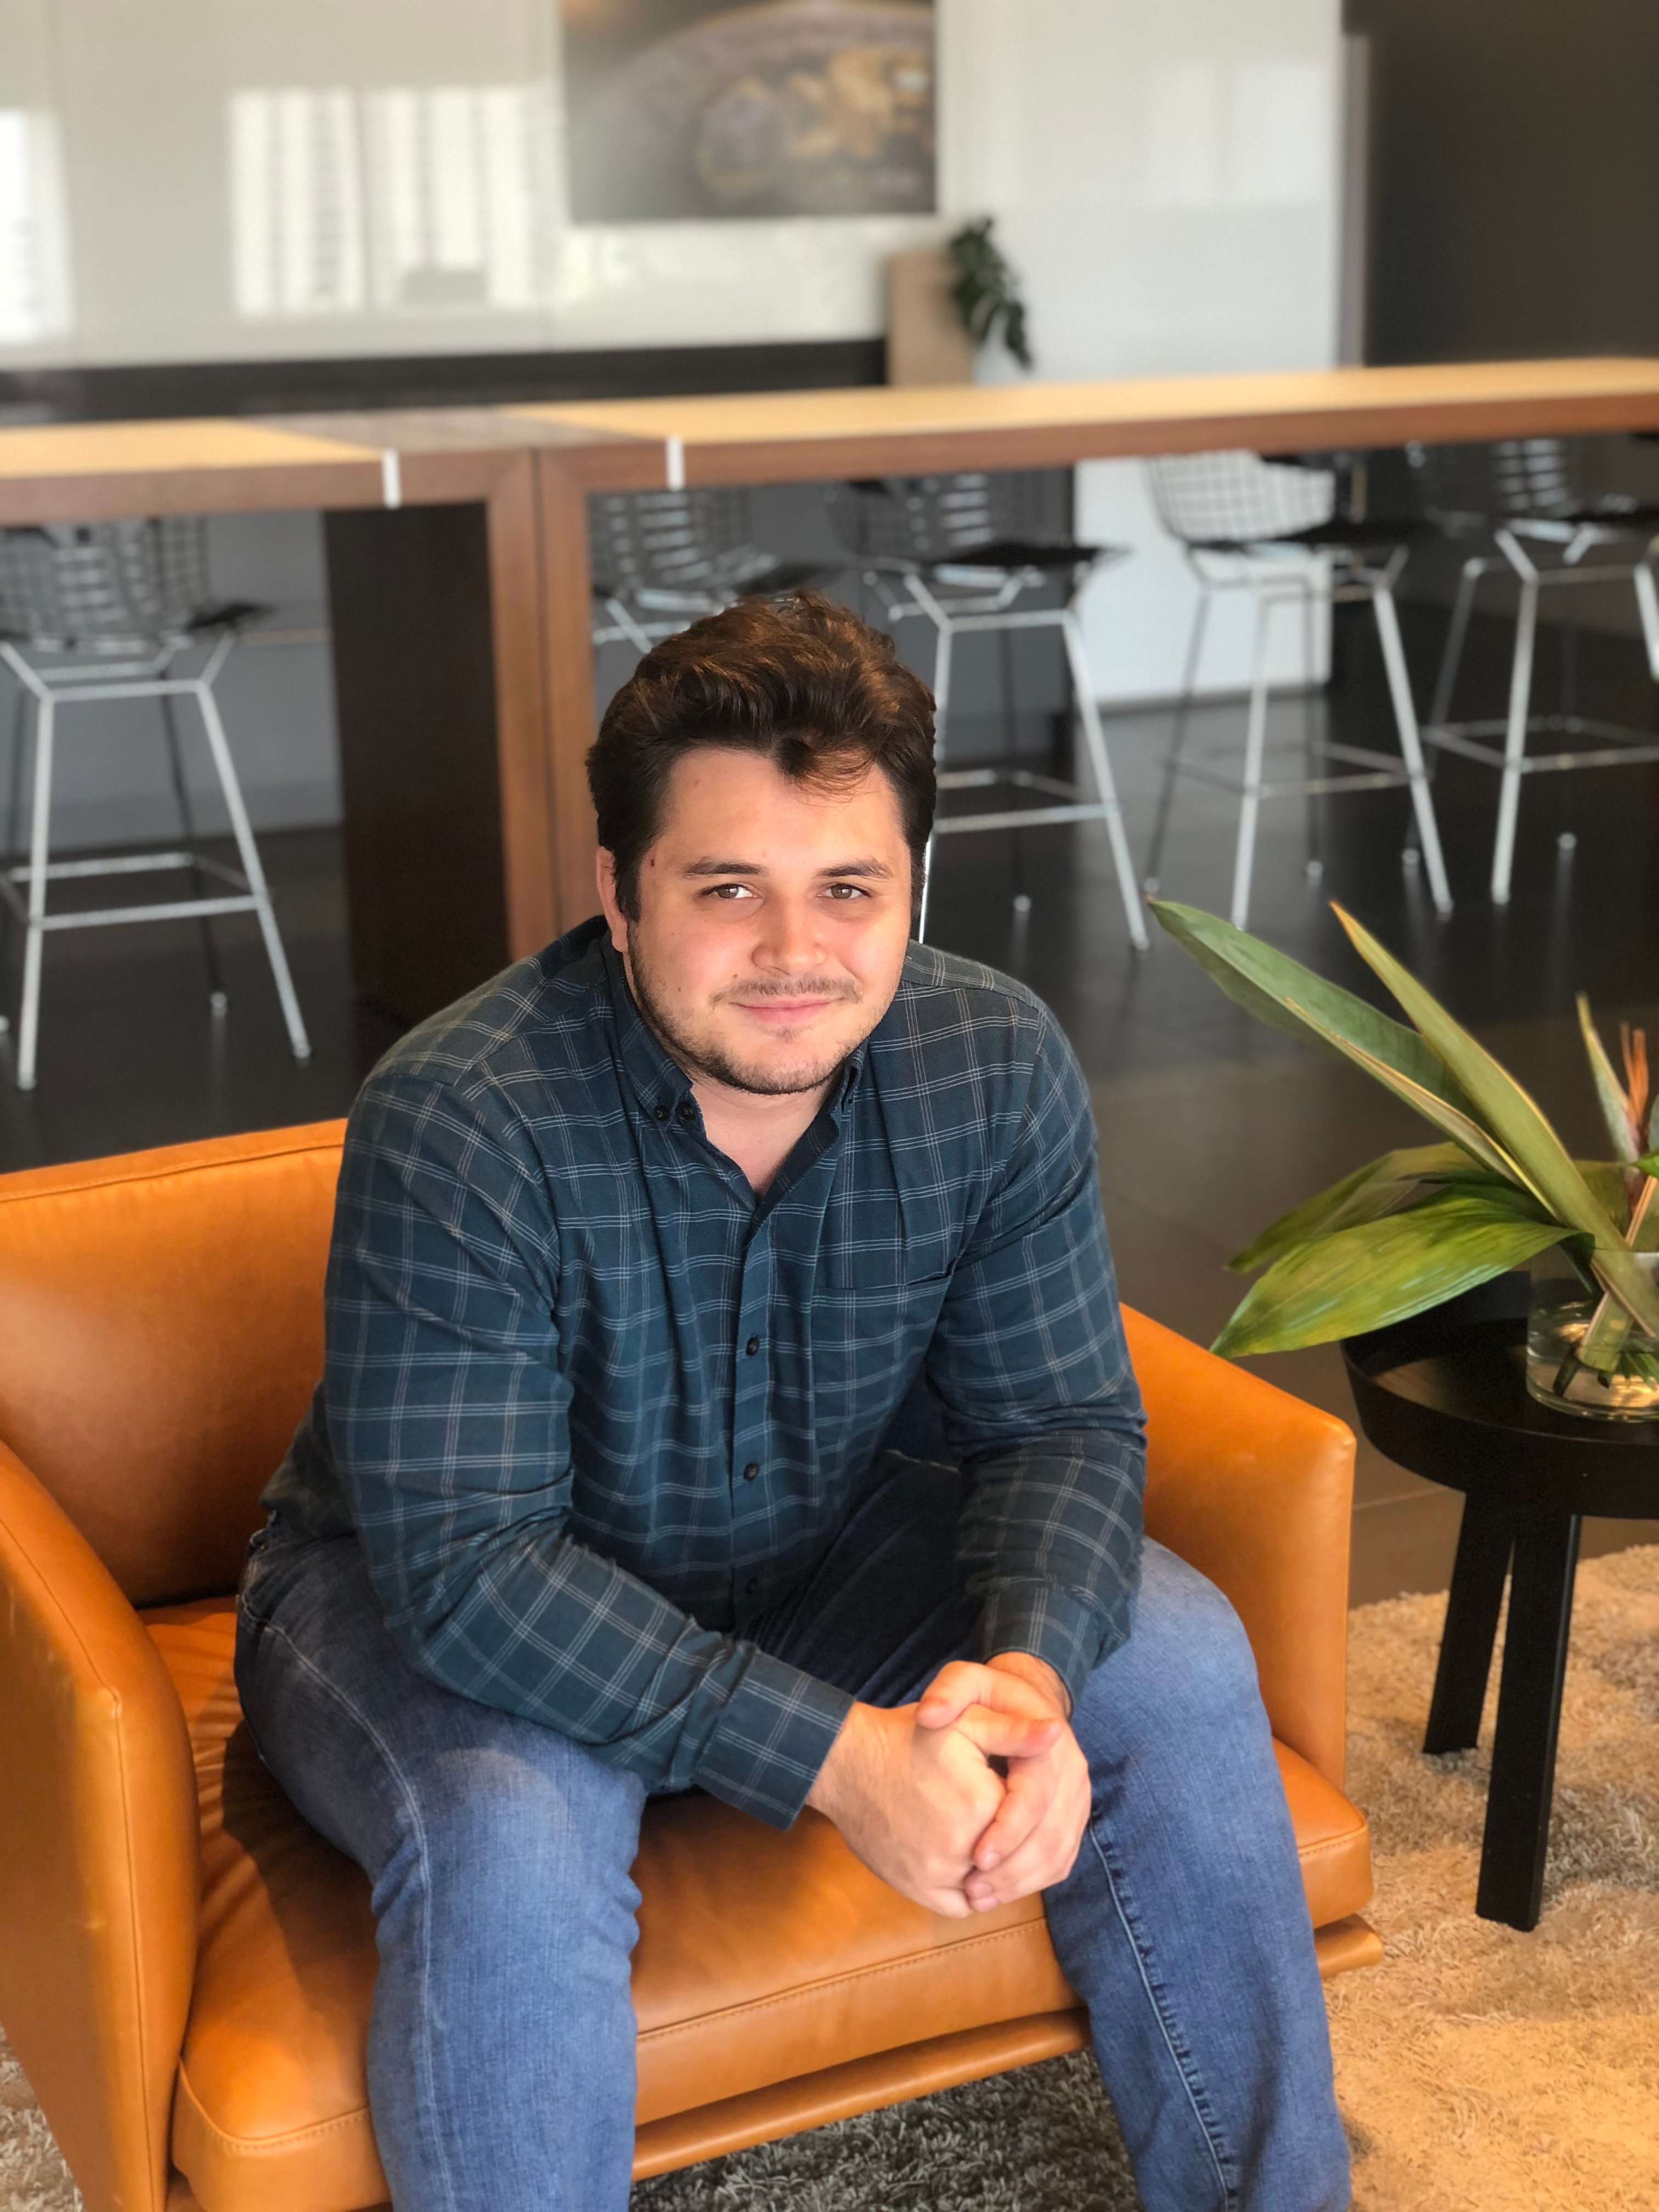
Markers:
<point>704,1057</point>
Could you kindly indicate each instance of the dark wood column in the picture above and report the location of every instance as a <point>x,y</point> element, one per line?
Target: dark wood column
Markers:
<point>415,689</point>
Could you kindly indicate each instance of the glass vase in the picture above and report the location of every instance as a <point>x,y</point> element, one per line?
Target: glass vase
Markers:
<point>1585,1354</point>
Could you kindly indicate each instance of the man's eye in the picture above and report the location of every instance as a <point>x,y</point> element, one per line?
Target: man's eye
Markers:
<point>730,892</point>
<point>845,891</point>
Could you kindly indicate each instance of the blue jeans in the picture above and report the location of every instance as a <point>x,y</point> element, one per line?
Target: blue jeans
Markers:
<point>500,2061</point>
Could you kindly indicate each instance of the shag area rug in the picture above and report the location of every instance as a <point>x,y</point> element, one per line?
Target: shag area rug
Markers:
<point>1479,2070</point>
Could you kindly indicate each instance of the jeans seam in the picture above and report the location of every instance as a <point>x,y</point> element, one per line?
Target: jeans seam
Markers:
<point>1174,2042</point>
<point>412,1806</point>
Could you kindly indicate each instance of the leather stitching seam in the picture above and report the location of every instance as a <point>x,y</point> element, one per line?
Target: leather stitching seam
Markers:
<point>267,2146</point>
<point>834,1981</point>
<point>164,1175</point>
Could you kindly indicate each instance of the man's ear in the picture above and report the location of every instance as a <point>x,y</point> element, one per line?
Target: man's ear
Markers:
<point>605,868</point>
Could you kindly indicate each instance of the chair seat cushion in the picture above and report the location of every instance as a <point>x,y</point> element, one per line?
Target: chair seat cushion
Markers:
<point>761,1957</point>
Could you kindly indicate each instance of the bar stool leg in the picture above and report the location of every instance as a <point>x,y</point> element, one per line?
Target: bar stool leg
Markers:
<point>1178,735</point>
<point>927,889</point>
<point>1411,743</point>
<point>1105,789</point>
<point>1515,741</point>
<point>1647,605</point>
<point>249,851</point>
<point>1516,1839</point>
<point>217,1000</point>
<point>1468,583</point>
<point>28,1027</point>
<point>1254,742</point>
<point>941,699</point>
<point>9,847</point>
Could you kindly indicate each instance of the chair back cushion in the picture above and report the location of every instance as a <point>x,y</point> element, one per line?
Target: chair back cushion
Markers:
<point>162,1321</point>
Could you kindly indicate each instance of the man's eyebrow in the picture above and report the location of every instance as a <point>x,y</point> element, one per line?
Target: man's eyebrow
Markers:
<point>868,867</point>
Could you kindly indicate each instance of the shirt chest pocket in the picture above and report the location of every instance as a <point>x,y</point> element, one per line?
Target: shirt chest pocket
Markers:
<point>877,1288</point>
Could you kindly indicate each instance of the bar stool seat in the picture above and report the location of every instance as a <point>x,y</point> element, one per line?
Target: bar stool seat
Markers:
<point>93,614</point>
<point>1247,523</point>
<point>964,552</point>
<point>1534,512</point>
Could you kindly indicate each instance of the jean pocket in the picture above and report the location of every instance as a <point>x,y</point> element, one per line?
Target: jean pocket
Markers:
<point>264,1553</point>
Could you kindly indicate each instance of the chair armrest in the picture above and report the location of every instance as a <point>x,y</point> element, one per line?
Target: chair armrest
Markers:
<point>99,1844</point>
<point>1256,1490</point>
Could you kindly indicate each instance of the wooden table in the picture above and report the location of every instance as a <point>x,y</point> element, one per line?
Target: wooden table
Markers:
<point>436,594</point>
<point>460,584</point>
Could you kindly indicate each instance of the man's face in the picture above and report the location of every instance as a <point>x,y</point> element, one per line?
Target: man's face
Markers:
<point>774,918</point>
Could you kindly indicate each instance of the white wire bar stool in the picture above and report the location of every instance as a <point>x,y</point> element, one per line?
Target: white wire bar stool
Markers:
<point>662,559</point>
<point>962,552</point>
<point>93,614</point>
<point>1532,503</point>
<point>1273,530</point>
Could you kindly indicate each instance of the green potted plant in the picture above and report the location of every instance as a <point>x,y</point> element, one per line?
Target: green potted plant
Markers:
<point>1499,1190</point>
<point>985,290</point>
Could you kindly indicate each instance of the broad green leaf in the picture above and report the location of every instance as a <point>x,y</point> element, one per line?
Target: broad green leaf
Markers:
<point>1384,1271</point>
<point>1265,982</point>
<point>1607,1180</point>
<point>1649,1162</point>
<point>1379,1188</point>
<point>1459,1126</point>
<point>1516,1121</point>
<point>1609,1091</point>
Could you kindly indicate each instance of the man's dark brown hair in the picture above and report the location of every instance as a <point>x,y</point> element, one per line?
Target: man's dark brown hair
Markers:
<point>800,680</point>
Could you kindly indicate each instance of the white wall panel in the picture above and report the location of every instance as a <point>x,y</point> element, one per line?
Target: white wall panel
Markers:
<point>1165,179</point>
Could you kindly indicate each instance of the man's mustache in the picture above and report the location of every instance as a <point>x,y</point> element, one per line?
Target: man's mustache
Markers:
<point>752,991</point>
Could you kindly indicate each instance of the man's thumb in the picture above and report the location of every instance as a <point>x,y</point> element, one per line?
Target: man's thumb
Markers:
<point>1009,1735</point>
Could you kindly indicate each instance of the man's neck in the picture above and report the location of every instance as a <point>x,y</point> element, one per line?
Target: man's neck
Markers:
<point>756,1130</point>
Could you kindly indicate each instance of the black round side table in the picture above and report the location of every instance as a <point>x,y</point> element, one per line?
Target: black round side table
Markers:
<point>1444,1395</point>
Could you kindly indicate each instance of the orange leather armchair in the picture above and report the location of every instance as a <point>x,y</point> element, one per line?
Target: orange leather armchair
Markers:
<point>185,1969</point>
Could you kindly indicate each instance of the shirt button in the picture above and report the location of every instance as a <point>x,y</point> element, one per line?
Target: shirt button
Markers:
<point>751,1586</point>
<point>661,1113</point>
<point>753,1346</point>
<point>752,1470</point>
<point>686,1111</point>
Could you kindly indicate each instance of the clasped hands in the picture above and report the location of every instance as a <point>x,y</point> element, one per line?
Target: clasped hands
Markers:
<point>973,1797</point>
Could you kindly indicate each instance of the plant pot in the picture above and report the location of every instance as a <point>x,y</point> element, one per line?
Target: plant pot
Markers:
<point>1607,1373</point>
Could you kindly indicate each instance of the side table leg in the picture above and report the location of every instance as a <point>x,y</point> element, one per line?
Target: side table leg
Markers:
<point>1512,1854</point>
<point>1477,1592</point>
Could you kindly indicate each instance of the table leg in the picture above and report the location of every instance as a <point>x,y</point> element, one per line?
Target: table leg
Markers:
<point>1465,1644</point>
<point>1512,1854</point>
<point>415,693</point>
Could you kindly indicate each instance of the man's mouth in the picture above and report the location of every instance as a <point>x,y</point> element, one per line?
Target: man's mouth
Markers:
<point>782,1011</point>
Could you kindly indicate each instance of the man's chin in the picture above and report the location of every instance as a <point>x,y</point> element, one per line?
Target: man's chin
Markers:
<point>772,1079</point>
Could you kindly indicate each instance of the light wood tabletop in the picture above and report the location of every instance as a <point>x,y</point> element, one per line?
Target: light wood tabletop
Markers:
<point>778,435</point>
<point>467,595</point>
<point>88,471</point>
<point>120,448</point>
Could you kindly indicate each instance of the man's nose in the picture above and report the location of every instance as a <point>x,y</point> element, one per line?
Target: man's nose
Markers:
<point>789,938</point>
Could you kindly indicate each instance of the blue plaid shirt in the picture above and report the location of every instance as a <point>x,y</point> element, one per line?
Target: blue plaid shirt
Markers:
<point>591,1406</point>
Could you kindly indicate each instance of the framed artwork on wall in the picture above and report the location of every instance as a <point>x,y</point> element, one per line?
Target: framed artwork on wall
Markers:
<point>681,110</point>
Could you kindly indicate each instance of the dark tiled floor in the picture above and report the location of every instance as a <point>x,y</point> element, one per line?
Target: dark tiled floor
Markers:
<point>1210,1125</point>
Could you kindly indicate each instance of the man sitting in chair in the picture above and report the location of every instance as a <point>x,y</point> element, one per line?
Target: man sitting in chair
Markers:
<point>725,1389</point>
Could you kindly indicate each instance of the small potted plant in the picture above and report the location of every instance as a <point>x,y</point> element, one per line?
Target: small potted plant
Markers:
<point>1499,1190</point>
<point>986,291</point>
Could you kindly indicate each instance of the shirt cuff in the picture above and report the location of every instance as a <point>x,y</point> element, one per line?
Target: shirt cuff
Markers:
<point>772,1739</point>
<point>1052,1623</point>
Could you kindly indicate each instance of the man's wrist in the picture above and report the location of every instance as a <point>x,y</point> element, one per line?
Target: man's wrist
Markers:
<point>1037,1672</point>
<point>829,1782</point>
